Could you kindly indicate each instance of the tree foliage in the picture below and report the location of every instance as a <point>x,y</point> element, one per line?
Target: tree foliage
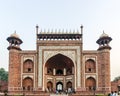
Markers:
<point>3,74</point>
<point>117,78</point>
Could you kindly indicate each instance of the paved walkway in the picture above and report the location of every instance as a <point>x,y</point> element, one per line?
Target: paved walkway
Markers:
<point>58,95</point>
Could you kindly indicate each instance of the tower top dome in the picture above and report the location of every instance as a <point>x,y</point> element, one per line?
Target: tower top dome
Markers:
<point>104,35</point>
<point>15,35</point>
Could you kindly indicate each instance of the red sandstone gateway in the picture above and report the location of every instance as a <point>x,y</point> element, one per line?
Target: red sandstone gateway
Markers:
<point>59,65</point>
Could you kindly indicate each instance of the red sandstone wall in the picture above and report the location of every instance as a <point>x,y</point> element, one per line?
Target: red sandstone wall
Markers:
<point>104,69</point>
<point>14,68</point>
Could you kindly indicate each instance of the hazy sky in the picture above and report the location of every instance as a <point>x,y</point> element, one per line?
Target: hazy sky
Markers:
<point>94,15</point>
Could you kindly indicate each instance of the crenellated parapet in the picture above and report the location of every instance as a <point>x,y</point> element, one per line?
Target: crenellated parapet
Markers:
<point>58,34</point>
<point>53,36</point>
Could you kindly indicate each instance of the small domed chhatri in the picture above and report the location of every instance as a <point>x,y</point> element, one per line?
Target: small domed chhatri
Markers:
<point>14,41</point>
<point>104,41</point>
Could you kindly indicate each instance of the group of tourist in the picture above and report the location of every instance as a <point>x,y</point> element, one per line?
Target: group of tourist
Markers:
<point>67,91</point>
<point>113,93</point>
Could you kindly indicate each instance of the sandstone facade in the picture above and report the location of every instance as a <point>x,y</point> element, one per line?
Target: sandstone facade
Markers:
<point>59,63</point>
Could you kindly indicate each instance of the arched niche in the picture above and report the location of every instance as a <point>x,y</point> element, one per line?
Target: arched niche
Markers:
<point>28,66</point>
<point>90,66</point>
<point>90,83</point>
<point>27,83</point>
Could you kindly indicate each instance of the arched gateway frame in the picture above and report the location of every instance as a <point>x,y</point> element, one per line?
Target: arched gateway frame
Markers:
<point>60,69</point>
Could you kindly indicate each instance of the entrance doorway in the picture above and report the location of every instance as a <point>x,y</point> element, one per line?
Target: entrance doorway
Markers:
<point>59,86</point>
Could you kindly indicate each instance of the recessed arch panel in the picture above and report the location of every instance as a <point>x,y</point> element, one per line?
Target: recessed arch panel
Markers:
<point>90,66</point>
<point>90,83</point>
<point>27,83</point>
<point>28,66</point>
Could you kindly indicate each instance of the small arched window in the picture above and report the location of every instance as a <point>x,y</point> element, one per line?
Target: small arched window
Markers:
<point>28,66</point>
<point>69,71</point>
<point>59,72</point>
<point>90,66</point>
<point>49,71</point>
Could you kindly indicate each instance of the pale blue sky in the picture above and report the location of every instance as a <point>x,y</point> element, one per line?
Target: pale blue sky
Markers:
<point>94,15</point>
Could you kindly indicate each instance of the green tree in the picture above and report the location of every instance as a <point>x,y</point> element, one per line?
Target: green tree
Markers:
<point>3,75</point>
<point>116,78</point>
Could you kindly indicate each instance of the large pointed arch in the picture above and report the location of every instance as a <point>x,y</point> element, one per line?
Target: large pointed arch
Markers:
<point>62,59</point>
<point>59,62</point>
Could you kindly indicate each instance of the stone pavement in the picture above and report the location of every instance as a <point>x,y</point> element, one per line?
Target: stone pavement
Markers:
<point>58,95</point>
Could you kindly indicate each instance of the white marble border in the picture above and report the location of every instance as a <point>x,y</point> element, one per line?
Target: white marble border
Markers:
<point>23,59</point>
<point>94,75</point>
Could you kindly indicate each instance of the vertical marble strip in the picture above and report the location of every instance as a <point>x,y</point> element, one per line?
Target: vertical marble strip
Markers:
<point>78,68</point>
<point>40,68</point>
